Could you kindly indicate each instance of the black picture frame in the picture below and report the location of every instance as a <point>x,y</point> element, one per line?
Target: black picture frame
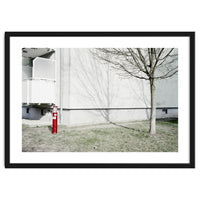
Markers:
<point>189,35</point>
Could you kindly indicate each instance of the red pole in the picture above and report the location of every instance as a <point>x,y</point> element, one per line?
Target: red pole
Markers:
<point>55,120</point>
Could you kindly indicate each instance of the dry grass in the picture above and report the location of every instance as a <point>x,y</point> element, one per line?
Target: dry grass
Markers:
<point>102,138</point>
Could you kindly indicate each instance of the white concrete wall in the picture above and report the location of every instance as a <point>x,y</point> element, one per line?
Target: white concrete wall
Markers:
<point>38,91</point>
<point>82,117</point>
<point>43,68</point>
<point>82,82</point>
<point>41,88</point>
<point>42,91</point>
<point>167,92</point>
<point>26,72</point>
<point>89,82</point>
<point>85,117</point>
<point>25,98</point>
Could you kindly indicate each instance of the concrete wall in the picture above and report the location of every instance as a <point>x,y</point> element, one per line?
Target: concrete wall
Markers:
<point>26,72</point>
<point>167,92</point>
<point>83,82</point>
<point>93,84</point>
<point>43,68</point>
<point>40,88</point>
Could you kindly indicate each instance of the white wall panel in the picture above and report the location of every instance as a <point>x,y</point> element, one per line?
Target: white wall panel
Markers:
<point>43,68</point>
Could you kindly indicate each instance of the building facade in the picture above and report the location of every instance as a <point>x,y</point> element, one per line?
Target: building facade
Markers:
<point>87,91</point>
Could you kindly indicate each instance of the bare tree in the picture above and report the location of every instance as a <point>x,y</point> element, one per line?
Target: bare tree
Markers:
<point>143,63</point>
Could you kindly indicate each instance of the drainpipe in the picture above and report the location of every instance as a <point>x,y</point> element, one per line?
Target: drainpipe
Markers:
<point>61,86</point>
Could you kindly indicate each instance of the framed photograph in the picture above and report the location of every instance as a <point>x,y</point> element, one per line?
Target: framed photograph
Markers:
<point>99,99</point>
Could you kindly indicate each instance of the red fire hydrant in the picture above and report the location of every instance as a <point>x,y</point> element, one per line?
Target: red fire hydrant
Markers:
<point>55,120</point>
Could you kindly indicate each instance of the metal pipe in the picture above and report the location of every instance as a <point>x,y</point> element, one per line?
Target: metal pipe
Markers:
<point>61,87</point>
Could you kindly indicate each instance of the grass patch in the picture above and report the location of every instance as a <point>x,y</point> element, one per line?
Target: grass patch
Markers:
<point>109,138</point>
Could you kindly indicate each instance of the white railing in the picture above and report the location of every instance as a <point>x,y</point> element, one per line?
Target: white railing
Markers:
<point>38,91</point>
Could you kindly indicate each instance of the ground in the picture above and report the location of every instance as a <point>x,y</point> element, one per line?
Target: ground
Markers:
<point>123,137</point>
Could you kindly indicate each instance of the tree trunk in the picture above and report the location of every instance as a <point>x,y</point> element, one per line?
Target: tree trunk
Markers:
<point>153,107</point>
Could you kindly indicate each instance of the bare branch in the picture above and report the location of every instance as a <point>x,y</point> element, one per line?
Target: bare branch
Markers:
<point>140,62</point>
